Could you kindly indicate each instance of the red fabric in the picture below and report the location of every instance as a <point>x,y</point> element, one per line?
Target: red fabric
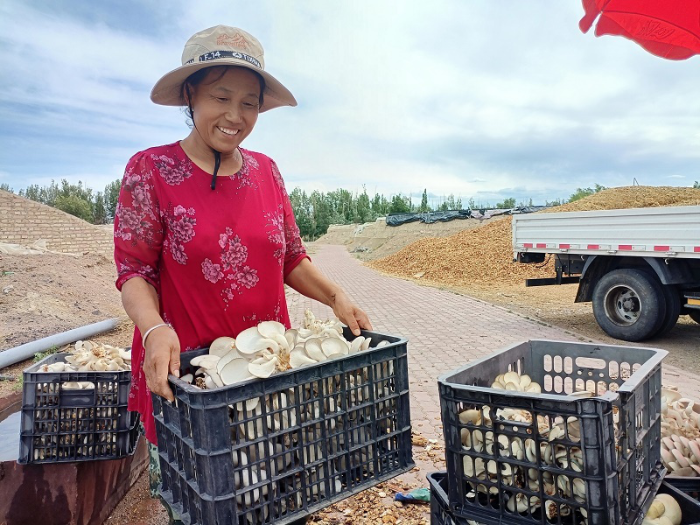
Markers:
<point>666,28</point>
<point>217,258</point>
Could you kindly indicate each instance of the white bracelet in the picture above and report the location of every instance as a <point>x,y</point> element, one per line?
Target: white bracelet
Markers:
<point>148,332</point>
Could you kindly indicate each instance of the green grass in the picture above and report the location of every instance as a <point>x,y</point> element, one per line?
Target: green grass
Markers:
<point>41,355</point>
<point>18,383</point>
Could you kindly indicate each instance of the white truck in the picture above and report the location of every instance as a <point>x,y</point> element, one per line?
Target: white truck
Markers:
<point>639,267</point>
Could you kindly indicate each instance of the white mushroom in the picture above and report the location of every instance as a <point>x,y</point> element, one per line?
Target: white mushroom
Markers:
<point>263,367</point>
<point>250,341</point>
<point>235,371</point>
<point>221,346</point>
<point>334,347</point>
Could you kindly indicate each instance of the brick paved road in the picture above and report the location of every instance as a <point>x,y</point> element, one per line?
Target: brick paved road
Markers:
<point>445,330</point>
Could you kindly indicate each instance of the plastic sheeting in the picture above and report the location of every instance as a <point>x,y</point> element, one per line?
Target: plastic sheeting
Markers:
<point>397,219</point>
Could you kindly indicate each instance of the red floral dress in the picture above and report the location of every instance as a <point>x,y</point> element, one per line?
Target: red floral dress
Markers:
<point>217,258</point>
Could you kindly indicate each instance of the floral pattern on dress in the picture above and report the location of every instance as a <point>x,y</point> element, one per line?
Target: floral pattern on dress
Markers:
<point>296,246</point>
<point>275,232</point>
<point>278,178</point>
<point>180,229</point>
<point>136,221</point>
<point>173,170</point>
<point>243,176</point>
<point>233,257</point>
<point>145,270</point>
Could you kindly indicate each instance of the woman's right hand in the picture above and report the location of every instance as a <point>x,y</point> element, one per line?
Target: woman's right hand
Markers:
<point>162,356</point>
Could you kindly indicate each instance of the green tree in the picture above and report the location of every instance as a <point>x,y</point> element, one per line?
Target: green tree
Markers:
<point>506,204</point>
<point>111,196</point>
<point>99,212</point>
<point>424,202</point>
<point>380,205</point>
<point>5,186</point>
<point>585,192</point>
<point>301,204</point>
<point>400,204</point>
<point>696,185</point>
<point>75,206</point>
<point>364,209</point>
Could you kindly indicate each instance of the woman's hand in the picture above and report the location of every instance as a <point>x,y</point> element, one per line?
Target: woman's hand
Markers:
<point>162,356</point>
<point>309,281</point>
<point>348,313</point>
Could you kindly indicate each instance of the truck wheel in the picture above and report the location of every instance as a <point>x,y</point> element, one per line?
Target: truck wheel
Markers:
<point>695,315</point>
<point>673,308</point>
<point>629,304</point>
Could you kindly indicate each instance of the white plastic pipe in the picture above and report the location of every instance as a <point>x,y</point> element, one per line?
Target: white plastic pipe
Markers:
<point>20,353</point>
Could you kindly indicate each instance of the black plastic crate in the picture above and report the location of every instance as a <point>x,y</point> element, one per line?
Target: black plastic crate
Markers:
<point>440,513</point>
<point>439,504</point>
<point>619,472</point>
<point>690,486</point>
<point>317,435</point>
<point>61,424</point>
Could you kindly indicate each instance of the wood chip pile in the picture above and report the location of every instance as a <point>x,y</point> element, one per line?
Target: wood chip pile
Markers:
<point>484,256</point>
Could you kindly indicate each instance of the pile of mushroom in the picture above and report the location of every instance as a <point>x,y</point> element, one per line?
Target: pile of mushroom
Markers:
<point>680,434</point>
<point>284,430</point>
<point>267,348</point>
<point>558,448</point>
<point>81,431</point>
<point>664,510</point>
<point>88,356</point>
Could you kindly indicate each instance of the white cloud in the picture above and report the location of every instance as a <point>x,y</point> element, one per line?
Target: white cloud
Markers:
<point>463,98</point>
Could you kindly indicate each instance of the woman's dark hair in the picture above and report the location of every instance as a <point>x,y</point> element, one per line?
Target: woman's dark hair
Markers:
<point>198,77</point>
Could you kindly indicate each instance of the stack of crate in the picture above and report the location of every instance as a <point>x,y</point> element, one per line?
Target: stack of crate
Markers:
<point>606,472</point>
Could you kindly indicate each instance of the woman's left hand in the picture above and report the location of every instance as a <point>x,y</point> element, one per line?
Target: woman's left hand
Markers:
<point>349,313</point>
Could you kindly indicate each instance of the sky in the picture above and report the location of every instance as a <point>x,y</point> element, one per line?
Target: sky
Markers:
<point>479,99</point>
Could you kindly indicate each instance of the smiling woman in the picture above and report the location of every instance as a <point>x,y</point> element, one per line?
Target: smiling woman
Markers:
<point>197,260</point>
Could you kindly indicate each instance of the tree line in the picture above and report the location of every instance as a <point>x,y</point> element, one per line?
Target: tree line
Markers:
<point>314,212</point>
<point>76,199</point>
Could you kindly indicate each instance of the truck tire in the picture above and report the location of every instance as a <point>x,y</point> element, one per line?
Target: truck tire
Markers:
<point>629,304</point>
<point>673,309</point>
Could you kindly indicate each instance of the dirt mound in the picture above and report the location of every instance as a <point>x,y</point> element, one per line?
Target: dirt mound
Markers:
<point>485,255</point>
<point>41,295</point>
<point>633,197</point>
<point>375,240</point>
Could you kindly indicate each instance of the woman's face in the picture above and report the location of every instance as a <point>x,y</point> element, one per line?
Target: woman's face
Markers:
<point>225,108</point>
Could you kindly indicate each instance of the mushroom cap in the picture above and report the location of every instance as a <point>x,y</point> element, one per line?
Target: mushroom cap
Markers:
<point>314,349</point>
<point>263,367</point>
<point>356,344</point>
<point>251,341</point>
<point>270,328</point>
<point>221,346</point>
<point>334,347</point>
<point>291,337</point>
<point>299,358</point>
<point>235,371</point>
<point>205,361</point>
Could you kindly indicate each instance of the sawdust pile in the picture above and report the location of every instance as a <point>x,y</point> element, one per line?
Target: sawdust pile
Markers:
<point>485,255</point>
<point>633,197</point>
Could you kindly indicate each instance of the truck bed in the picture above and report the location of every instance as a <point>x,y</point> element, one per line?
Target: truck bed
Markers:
<point>669,231</point>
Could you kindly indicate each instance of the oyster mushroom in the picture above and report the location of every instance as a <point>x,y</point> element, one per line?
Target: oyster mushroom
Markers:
<point>235,371</point>
<point>334,347</point>
<point>263,367</point>
<point>314,349</point>
<point>222,346</point>
<point>664,510</point>
<point>251,341</point>
<point>299,358</point>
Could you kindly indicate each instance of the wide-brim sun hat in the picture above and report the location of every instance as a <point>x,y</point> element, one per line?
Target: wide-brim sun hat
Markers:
<point>221,46</point>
